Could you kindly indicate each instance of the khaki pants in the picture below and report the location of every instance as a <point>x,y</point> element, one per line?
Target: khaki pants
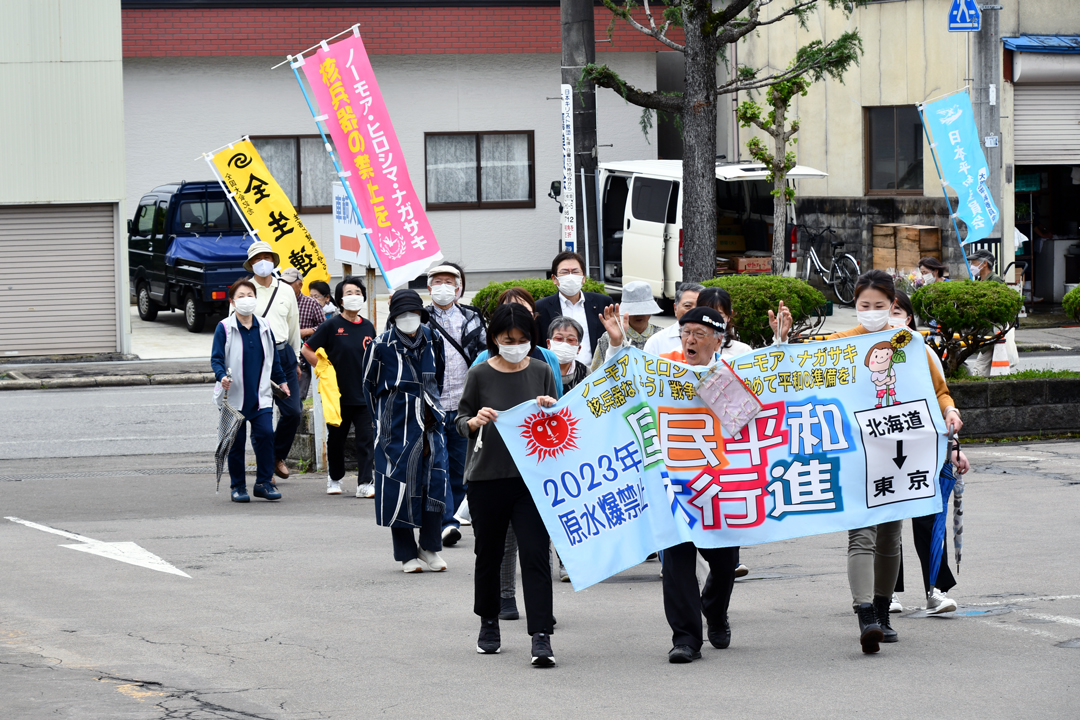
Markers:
<point>873,561</point>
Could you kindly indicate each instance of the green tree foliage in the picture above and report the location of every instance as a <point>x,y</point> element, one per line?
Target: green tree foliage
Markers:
<point>971,316</point>
<point>487,297</point>
<point>752,296</point>
<point>1071,303</point>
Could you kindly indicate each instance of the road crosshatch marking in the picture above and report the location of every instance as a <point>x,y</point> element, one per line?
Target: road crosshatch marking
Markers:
<point>125,552</point>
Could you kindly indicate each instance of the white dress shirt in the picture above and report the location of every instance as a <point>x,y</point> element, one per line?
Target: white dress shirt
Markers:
<point>664,341</point>
<point>577,312</point>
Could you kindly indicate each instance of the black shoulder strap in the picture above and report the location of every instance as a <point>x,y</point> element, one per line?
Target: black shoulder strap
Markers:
<point>272,296</point>
<point>446,336</point>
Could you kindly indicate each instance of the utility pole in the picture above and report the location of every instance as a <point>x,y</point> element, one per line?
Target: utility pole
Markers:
<point>578,50</point>
<point>986,101</point>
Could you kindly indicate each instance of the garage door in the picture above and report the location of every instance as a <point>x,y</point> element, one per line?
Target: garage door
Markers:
<point>1047,124</point>
<point>57,280</point>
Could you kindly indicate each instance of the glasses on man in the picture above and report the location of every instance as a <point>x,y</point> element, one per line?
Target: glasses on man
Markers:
<point>433,283</point>
<point>568,271</point>
<point>696,334</point>
<point>568,339</point>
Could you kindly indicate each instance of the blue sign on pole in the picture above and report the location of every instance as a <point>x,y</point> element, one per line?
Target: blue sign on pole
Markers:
<point>965,16</point>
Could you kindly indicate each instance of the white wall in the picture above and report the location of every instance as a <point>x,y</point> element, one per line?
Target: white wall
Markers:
<point>178,108</point>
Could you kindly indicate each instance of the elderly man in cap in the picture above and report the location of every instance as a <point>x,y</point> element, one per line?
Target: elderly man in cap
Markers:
<point>311,316</point>
<point>403,369</point>
<point>702,332</point>
<point>463,336</point>
<point>638,307</point>
<point>277,306</point>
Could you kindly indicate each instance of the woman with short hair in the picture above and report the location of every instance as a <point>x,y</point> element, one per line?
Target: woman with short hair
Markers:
<point>564,339</point>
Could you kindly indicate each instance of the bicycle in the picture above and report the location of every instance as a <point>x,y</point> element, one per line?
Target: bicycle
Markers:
<point>843,271</point>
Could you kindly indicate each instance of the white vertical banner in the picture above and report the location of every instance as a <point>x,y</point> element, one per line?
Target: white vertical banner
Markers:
<point>569,222</point>
<point>350,243</point>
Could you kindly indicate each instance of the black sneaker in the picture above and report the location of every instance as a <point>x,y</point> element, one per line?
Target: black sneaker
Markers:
<point>509,609</point>
<point>266,491</point>
<point>720,634</point>
<point>450,536</point>
<point>542,656</point>
<point>490,640</point>
<point>682,654</point>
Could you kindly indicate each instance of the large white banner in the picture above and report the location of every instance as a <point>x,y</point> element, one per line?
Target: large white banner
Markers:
<point>569,223</point>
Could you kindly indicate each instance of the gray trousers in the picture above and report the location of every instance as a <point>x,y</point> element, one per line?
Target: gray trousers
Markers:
<point>873,561</point>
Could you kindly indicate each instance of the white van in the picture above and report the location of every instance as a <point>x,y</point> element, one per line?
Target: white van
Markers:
<point>643,238</point>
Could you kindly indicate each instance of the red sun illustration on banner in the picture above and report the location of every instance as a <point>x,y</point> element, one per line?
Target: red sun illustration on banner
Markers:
<point>550,435</point>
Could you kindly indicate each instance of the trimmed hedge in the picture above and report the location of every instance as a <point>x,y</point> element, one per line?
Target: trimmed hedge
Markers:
<point>1071,303</point>
<point>486,298</point>
<point>752,296</point>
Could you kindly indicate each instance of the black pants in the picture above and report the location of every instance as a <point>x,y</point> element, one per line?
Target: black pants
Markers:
<point>922,530</point>
<point>360,418</point>
<point>683,603</point>
<point>495,505</point>
<point>430,537</point>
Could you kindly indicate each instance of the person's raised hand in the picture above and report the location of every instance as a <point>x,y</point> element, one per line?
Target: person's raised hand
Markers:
<point>781,322</point>
<point>610,318</point>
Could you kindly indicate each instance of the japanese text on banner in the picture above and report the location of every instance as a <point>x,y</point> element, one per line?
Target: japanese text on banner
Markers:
<point>345,88</point>
<point>268,210</point>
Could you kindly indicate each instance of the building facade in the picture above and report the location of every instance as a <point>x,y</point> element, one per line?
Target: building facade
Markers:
<point>465,85</point>
<point>63,252</point>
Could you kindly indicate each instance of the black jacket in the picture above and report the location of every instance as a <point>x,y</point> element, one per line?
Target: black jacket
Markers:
<point>474,341</point>
<point>549,308</point>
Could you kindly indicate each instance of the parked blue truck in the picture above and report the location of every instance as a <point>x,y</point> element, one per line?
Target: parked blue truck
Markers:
<point>186,246</point>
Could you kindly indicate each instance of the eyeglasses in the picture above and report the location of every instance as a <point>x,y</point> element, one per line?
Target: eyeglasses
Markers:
<point>697,334</point>
<point>433,283</point>
<point>566,271</point>
<point>569,340</point>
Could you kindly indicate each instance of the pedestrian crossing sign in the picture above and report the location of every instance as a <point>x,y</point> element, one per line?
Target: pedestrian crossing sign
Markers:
<point>965,16</point>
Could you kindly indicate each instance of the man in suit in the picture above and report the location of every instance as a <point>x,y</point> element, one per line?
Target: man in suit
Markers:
<point>568,273</point>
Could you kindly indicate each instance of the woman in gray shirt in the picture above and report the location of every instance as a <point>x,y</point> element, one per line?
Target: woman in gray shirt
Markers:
<point>498,497</point>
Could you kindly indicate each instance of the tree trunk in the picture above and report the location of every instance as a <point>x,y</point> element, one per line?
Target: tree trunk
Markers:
<point>699,140</point>
<point>779,247</point>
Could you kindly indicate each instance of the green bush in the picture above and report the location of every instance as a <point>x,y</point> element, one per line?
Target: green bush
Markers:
<point>1071,303</point>
<point>971,315</point>
<point>486,298</point>
<point>752,296</point>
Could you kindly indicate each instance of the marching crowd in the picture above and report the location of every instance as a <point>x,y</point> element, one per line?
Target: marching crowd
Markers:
<point>421,397</point>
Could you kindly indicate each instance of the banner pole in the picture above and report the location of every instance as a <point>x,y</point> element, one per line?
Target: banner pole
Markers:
<point>948,203</point>
<point>340,172</point>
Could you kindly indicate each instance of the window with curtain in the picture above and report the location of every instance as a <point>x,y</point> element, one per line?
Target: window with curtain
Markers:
<point>302,168</point>
<point>479,170</point>
<point>894,151</point>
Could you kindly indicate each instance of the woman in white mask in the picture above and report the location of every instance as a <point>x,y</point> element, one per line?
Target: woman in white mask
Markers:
<point>932,270</point>
<point>345,338</point>
<point>245,364</point>
<point>874,552</point>
<point>498,497</point>
<point>564,339</point>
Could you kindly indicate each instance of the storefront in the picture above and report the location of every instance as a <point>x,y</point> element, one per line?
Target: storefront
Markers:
<point>1045,72</point>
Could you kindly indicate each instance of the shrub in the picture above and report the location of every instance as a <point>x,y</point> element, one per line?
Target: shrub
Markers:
<point>487,296</point>
<point>752,296</point>
<point>971,315</point>
<point>1071,303</point>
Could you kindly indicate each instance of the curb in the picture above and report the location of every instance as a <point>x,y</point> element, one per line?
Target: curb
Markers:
<point>1041,347</point>
<point>109,381</point>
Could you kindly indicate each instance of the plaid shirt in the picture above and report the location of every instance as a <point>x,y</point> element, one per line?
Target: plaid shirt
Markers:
<point>311,313</point>
<point>453,321</point>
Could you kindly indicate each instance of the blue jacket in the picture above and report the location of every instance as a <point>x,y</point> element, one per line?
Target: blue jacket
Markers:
<point>401,386</point>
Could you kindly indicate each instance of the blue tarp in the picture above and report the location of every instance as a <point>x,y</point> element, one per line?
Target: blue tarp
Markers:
<point>208,249</point>
<point>1043,43</point>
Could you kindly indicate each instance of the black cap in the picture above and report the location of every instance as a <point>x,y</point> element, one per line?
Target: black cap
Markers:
<point>405,301</point>
<point>704,316</point>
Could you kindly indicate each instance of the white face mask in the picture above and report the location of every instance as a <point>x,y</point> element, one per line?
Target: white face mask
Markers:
<point>565,352</point>
<point>873,320</point>
<point>927,278</point>
<point>570,285</point>
<point>407,323</point>
<point>262,268</point>
<point>514,353</point>
<point>245,305</point>
<point>353,303</point>
<point>443,295</point>
<point>975,271</point>
<point>895,322</point>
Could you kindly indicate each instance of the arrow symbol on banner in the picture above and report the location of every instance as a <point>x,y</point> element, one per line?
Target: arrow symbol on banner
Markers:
<point>349,244</point>
<point>900,456</point>
<point>125,552</point>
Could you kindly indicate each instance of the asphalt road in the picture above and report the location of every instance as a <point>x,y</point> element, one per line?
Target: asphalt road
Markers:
<point>297,610</point>
<point>107,422</point>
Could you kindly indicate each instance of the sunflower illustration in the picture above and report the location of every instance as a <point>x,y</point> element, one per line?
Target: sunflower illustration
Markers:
<point>898,342</point>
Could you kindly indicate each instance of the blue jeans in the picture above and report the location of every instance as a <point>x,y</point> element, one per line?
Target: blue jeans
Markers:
<point>262,442</point>
<point>289,408</point>
<point>457,448</point>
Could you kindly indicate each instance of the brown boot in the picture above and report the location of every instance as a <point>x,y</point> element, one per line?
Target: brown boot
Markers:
<point>281,470</point>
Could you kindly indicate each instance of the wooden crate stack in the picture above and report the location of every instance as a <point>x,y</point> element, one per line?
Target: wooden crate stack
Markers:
<point>899,247</point>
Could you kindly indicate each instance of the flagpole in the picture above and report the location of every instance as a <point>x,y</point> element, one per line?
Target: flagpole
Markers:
<point>337,165</point>
<point>948,202</point>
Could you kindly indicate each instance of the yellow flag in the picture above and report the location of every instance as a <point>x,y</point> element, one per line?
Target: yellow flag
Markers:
<point>269,211</point>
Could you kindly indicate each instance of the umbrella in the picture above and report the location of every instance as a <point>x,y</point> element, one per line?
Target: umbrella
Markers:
<point>958,521</point>
<point>947,480</point>
<point>229,424</point>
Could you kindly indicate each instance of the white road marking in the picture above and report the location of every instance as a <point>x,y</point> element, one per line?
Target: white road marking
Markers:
<point>125,552</point>
<point>1064,620</point>
<point>1014,600</point>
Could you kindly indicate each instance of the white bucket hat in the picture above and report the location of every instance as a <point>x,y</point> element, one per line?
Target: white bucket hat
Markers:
<point>637,299</point>
<point>260,247</point>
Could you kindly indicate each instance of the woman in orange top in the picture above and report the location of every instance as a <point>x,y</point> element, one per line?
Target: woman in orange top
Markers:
<point>874,552</point>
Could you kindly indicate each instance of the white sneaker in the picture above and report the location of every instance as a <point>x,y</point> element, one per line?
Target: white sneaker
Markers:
<point>367,490</point>
<point>412,566</point>
<point>894,605</point>
<point>433,560</point>
<point>333,487</point>
<point>462,515</point>
<point>938,602</point>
